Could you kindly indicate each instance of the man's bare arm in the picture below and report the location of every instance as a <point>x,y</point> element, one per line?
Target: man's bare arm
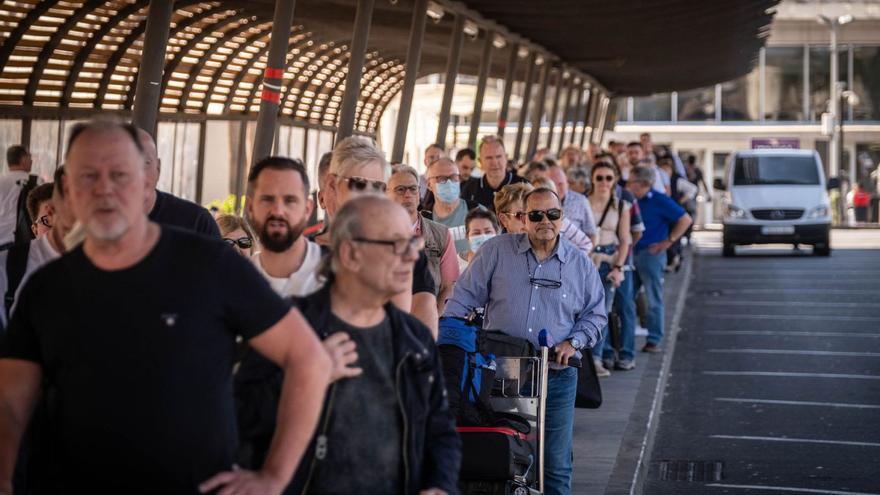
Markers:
<point>424,307</point>
<point>19,386</point>
<point>295,348</point>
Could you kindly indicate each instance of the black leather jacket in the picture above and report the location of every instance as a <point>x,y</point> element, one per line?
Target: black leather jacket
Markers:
<point>431,450</point>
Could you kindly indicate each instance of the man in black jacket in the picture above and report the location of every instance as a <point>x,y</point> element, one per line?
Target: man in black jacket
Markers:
<point>386,426</point>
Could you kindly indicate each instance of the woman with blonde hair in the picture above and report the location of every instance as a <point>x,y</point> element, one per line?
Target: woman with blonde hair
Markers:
<point>236,233</point>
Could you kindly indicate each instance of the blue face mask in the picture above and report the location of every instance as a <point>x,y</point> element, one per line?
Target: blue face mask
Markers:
<point>448,191</point>
<point>478,240</point>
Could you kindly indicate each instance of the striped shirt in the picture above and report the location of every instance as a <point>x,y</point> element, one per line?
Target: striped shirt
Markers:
<point>499,279</point>
<point>577,210</point>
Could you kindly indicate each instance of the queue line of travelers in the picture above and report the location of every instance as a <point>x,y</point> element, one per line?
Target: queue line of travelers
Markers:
<point>363,296</point>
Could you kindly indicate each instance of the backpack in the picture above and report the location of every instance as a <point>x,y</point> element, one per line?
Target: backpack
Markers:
<point>23,232</point>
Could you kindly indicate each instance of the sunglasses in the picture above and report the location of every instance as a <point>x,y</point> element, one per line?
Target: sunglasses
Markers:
<point>360,184</point>
<point>241,242</point>
<point>552,214</point>
<point>603,178</point>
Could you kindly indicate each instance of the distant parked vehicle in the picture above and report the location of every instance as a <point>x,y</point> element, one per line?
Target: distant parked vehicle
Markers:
<point>776,196</point>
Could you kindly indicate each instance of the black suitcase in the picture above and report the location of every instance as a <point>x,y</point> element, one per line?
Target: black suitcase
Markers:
<point>495,456</point>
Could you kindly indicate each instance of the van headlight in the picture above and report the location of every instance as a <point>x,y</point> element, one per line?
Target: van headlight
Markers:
<point>735,212</point>
<point>820,211</point>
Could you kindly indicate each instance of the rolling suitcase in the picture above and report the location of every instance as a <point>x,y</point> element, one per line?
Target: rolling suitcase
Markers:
<point>495,461</point>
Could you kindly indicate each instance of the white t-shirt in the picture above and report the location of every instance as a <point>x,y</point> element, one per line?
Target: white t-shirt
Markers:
<point>301,282</point>
<point>40,253</point>
<point>10,188</point>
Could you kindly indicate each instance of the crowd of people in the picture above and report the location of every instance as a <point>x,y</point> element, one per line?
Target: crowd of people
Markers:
<point>300,358</point>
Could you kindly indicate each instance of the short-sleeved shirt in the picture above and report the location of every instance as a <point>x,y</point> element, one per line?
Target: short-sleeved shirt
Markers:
<point>478,190</point>
<point>11,184</point>
<point>177,212</point>
<point>658,212</point>
<point>138,362</point>
<point>300,283</point>
<point>455,223</point>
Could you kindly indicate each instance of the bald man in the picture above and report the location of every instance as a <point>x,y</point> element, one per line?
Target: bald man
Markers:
<point>166,208</point>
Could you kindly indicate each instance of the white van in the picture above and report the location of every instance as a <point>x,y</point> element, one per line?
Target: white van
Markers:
<point>776,196</point>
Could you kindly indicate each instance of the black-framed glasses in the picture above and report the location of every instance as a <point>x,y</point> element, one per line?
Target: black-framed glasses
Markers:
<point>443,179</point>
<point>544,283</point>
<point>241,242</point>
<point>402,190</point>
<point>361,184</point>
<point>603,178</point>
<point>552,214</point>
<point>398,246</point>
<point>45,221</point>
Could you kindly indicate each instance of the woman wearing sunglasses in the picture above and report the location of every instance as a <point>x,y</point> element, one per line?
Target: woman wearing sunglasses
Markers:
<point>236,233</point>
<point>615,239</point>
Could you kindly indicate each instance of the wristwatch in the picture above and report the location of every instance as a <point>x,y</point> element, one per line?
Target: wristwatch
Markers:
<point>576,343</point>
<point>619,267</point>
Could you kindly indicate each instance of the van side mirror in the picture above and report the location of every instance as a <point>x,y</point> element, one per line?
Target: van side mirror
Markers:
<point>719,185</point>
<point>833,183</point>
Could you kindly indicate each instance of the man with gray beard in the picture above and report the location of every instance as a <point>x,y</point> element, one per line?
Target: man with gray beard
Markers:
<point>278,208</point>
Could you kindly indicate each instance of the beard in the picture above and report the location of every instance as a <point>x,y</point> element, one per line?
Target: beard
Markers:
<point>278,242</point>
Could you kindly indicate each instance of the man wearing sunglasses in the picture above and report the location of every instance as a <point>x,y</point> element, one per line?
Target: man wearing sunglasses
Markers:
<point>575,206</point>
<point>278,207</point>
<point>357,168</point>
<point>533,281</point>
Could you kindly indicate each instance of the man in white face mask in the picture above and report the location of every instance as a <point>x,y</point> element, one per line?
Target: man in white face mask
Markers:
<point>447,207</point>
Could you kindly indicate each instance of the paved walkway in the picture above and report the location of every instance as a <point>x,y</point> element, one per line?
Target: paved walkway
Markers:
<point>609,441</point>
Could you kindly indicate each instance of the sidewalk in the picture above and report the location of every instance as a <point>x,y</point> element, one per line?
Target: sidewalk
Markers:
<point>610,442</point>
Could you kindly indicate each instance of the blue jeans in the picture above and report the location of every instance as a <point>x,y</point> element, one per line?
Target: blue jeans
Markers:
<point>604,341</point>
<point>649,272</point>
<point>625,306</point>
<point>558,430</point>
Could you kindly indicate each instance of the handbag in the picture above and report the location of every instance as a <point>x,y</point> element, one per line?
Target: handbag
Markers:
<point>589,392</point>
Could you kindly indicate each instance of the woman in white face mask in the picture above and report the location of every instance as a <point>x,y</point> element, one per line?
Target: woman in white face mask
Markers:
<point>480,226</point>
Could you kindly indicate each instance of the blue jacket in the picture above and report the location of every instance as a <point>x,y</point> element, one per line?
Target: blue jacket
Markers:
<point>431,450</point>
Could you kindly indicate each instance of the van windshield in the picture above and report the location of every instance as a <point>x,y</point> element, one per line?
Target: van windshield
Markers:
<point>766,170</point>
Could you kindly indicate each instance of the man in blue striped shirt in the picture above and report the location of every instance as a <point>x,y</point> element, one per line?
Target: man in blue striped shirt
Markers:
<point>534,281</point>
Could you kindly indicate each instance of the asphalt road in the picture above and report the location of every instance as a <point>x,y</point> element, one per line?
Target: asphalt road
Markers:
<point>774,386</point>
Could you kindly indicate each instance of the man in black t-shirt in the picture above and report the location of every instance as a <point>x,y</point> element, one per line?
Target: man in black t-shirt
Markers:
<point>387,428</point>
<point>168,209</point>
<point>493,163</point>
<point>133,335</point>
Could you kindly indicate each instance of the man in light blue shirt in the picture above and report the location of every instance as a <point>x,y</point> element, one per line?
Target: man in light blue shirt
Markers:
<point>534,281</point>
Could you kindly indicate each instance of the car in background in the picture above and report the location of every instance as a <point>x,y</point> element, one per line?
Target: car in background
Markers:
<point>776,196</point>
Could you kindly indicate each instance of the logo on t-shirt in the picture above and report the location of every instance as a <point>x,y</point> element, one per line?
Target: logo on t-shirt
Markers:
<point>169,319</point>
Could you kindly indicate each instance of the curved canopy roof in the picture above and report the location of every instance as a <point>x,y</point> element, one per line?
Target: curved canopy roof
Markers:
<point>86,53</point>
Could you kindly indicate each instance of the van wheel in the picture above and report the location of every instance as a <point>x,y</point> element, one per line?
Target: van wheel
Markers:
<point>728,251</point>
<point>822,250</point>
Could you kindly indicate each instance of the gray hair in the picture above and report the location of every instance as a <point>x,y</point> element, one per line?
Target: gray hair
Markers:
<point>405,169</point>
<point>643,175</point>
<point>442,159</point>
<point>353,152</point>
<point>578,175</point>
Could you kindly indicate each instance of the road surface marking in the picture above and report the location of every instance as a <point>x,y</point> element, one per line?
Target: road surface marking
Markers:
<point>794,333</point>
<point>797,440</point>
<point>797,317</point>
<point>798,403</point>
<point>788,489</point>
<point>792,375</point>
<point>796,352</point>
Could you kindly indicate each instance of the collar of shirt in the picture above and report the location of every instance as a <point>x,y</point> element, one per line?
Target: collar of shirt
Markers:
<point>524,245</point>
<point>508,176</point>
<point>650,194</point>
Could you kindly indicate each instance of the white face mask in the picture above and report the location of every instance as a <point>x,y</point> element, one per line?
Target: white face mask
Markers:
<point>478,240</point>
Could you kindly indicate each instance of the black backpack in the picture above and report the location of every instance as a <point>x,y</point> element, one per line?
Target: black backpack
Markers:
<point>23,232</point>
<point>16,266</point>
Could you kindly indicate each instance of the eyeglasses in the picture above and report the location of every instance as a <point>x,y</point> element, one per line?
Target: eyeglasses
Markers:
<point>443,179</point>
<point>402,190</point>
<point>552,214</point>
<point>544,283</point>
<point>603,178</point>
<point>45,221</point>
<point>398,246</point>
<point>360,184</point>
<point>241,242</point>
<point>515,214</point>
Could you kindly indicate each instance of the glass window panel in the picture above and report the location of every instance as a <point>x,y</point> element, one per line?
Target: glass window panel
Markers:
<point>220,150</point>
<point>739,98</point>
<point>820,75</point>
<point>784,83</point>
<point>653,108</point>
<point>10,134</point>
<point>866,82</point>
<point>44,148</point>
<point>695,105</point>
